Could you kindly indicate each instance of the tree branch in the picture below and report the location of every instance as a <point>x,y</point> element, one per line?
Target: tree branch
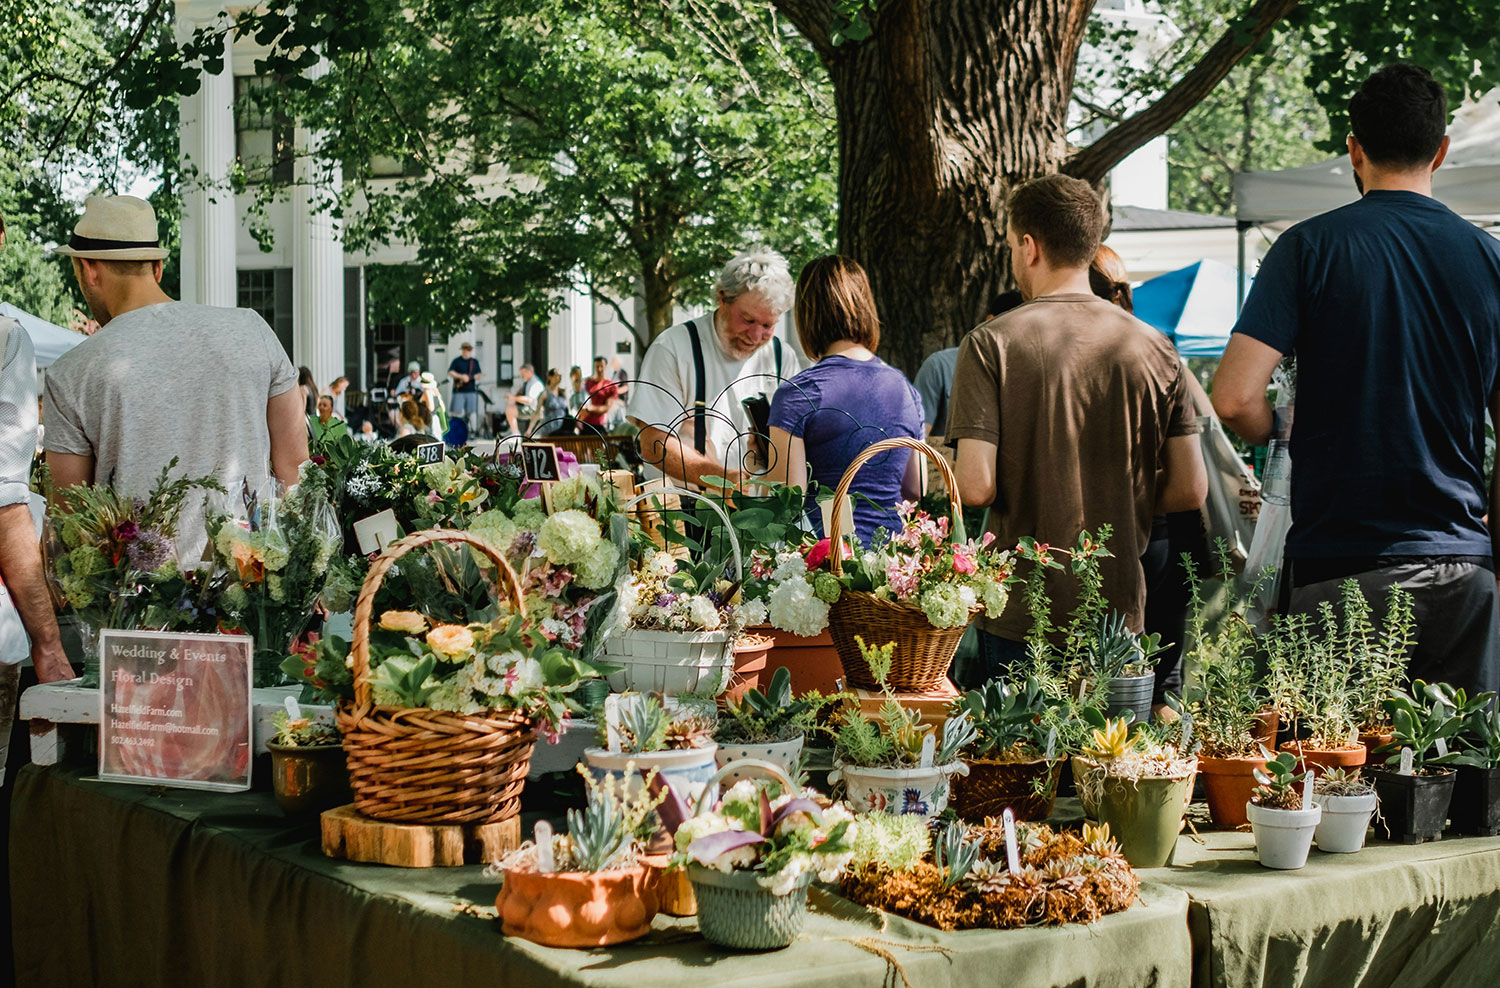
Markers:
<point>147,20</point>
<point>1094,162</point>
<point>813,19</point>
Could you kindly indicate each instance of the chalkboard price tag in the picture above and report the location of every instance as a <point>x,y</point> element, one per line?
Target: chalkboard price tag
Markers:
<point>539,461</point>
<point>429,452</point>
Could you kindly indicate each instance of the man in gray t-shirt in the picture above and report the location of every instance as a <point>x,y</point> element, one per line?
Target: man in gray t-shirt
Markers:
<point>210,386</point>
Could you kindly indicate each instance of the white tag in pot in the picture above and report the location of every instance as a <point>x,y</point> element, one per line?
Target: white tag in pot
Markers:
<point>1406,762</point>
<point>1012,851</point>
<point>1051,744</point>
<point>544,859</point>
<point>929,745</point>
<point>1307,790</point>
<point>1442,746</point>
<point>293,710</point>
<point>1187,733</point>
<point>612,722</point>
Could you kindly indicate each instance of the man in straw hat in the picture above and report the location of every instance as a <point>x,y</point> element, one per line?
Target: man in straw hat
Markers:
<point>162,379</point>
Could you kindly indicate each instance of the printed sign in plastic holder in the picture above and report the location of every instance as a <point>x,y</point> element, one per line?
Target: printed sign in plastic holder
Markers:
<point>175,709</point>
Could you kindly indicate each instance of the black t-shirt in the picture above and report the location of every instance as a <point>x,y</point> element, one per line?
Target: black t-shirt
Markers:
<point>464,365</point>
<point>1392,306</point>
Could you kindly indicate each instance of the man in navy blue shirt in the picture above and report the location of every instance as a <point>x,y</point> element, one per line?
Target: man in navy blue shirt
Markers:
<point>1391,306</point>
<point>464,370</point>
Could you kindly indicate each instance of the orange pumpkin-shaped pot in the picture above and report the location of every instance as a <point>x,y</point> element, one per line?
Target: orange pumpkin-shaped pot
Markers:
<point>576,908</point>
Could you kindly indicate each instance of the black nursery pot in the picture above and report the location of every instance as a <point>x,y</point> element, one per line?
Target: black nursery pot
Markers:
<point>1414,807</point>
<point>1476,801</point>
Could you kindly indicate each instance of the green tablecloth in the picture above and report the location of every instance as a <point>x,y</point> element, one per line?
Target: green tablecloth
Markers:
<point>1389,915</point>
<point>125,885</point>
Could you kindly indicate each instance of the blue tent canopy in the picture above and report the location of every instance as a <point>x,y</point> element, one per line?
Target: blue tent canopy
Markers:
<point>1194,306</point>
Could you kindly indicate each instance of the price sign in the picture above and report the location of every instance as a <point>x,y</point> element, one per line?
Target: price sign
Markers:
<point>539,462</point>
<point>376,531</point>
<point>429,452</point>
<point>175,709</point>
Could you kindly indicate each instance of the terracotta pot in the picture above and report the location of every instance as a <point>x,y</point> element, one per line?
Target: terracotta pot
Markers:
<point>813,662</point>
<point>1227,783</point>
<point>992,785</point>
<point>1266,725</point>
<point>1372,740</point>
<point>674,891</point>
<point>750,653</point>
<point>1322,759</point>
<point>309,779</point>
<point>576,909</point>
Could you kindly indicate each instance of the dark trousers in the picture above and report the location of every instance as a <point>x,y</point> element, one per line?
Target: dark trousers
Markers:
<point>1454,607</point>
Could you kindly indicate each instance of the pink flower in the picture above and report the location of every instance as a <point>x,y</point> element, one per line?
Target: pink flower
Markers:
<point>817,554</point>
<point>963,560</point>
<point>989,537</point>
<point>905,508</point>
<point>433,497</point>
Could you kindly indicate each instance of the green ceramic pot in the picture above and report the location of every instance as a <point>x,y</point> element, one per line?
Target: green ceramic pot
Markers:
<point>1145,816</point>
<point>309,779</point>
<point>735,911</point>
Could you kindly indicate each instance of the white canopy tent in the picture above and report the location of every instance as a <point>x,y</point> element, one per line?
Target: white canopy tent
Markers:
<point>1468,182</point>
<point>49,340</point>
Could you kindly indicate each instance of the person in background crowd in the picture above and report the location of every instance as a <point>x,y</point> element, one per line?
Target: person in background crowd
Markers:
<point>432,400</point>
<point>1391,307</point>
<point>576,395</point>
<point>1098,428</point>
<point>526,397</point>
<point>848,399</point>
<point>325,425</point>
<point>934,378</point>
<point>309,386</point>
<point>1167,595</point>
<point>336,390</point>
<point>236,412</point>
<point>25,607</point>
<point>367,433</point>
<point>465,374</point>
<point>411,384</point>
<point>601,396</point>
<point>393,374</point>
<point>413,418</point>
<point>707,368</point>
<point>556,420</point>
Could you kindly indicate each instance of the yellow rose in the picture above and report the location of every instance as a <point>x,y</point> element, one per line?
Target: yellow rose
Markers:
<point>409,622</point>
<point>450,640</point>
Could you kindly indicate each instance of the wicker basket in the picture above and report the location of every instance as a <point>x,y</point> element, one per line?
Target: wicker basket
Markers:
<point>923,652</point>
<point>415,765</point>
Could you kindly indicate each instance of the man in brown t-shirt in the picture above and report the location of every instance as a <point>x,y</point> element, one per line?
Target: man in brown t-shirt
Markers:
<point>1069,414</point>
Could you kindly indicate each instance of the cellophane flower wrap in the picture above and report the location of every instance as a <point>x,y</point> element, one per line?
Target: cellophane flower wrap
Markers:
<point>114,561</point>
<point>780,837</point>
<point>276,552</point>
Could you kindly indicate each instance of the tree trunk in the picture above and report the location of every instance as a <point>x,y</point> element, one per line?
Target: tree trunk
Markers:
<point>657,291</point>
<point>941,113</point>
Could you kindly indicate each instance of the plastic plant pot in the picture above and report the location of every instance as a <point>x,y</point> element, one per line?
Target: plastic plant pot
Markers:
<point>1130,693</point>
<point>1476,801</point>
<point>1414,808</point>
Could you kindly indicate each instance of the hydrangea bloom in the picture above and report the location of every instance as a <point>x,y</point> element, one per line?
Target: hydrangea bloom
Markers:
<point>793,607</point>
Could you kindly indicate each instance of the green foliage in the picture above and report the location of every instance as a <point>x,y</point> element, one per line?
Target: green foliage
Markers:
<point>643,726</point>
<point>860,741</point>
<point>1421,718</point>
<point>599,834</point>
<point>894,841</point>
<point>1227,692</point>
<point>1116,651</point>
<point>770,716</point>
<point>406,677</point>
<point>955,856</point>
<point>1012,718</point>
<point>877,658</point>
<point>1278,782</point>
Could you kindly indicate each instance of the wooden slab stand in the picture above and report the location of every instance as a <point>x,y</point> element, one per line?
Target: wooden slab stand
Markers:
<point>348,835</point>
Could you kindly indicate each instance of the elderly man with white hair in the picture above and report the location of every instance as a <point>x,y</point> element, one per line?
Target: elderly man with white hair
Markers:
<point>690,394</point>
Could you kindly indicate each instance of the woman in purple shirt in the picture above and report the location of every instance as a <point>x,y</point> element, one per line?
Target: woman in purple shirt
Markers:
<point>828,414</point>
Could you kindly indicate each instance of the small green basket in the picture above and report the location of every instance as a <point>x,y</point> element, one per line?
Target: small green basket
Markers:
<point>735,911</point>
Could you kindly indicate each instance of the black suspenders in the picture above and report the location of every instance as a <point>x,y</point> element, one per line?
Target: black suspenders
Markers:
<point>700,385</point>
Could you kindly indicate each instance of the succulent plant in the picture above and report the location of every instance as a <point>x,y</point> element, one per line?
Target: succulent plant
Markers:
<point>599,834</point>
<point>954,854</point>
<point>1342,782</point>
<point>1110,742</point>
<point>1278,782</point>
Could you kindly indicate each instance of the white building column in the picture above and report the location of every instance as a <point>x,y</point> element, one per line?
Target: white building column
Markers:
<point>207,142</point>
<point>317,263</point>
<point>570,335</point>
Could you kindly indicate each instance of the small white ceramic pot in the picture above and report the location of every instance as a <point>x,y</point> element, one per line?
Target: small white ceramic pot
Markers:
<point>783,754</point>
<point>686,770</point>
<point>1345,820</point>
<point>923,791</point>
<point>1283,837</point>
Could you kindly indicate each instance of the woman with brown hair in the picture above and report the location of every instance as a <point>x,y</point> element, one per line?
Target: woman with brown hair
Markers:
<point>828,414</point>
<point>1109,280</point>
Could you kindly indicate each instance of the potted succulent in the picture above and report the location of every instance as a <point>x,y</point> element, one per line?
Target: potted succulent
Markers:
<point>585,888</point>
<point>1139,786</point>
<point>893,762</point>
<point>1476,791</point>
<point>1014,760</point>
<point>767,726</point>
<point>1122,662</point>
<point>752,857</point>
<point>1348,801</point>
<point>308,771</point>
<point>1414,797</point>
<point>677,744</point>
<point>1282,820</point>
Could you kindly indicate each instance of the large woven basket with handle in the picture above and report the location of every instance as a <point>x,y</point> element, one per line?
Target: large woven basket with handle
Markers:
<point>416,765</point>
<point>923,652</point>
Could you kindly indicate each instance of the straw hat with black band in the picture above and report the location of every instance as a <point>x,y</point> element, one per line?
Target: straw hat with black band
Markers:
<point>115,228</point>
